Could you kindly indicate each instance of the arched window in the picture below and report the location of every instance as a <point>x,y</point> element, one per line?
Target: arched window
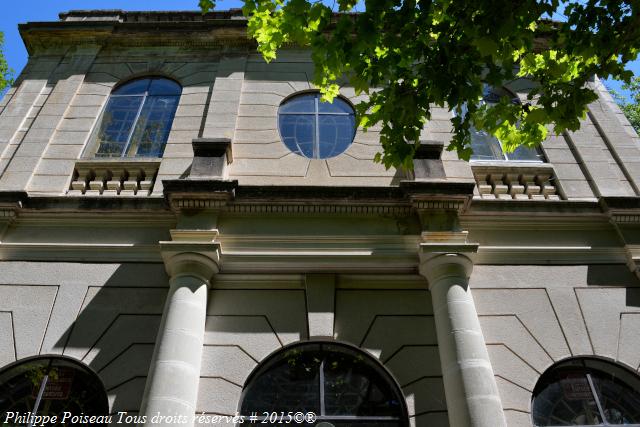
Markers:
<point>315,129</point>
<point>341,385</point>
<point>137,119</point>
<point>487,147</point>
<point>586,392</point>
<point>50,386</point>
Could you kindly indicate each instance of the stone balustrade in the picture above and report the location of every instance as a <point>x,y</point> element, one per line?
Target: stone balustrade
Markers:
<point>120,177</point>
<point>516,182</point>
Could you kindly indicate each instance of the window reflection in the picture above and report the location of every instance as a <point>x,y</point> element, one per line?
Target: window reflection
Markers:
<point>315,129</point>
<point>583,392</point>
<point>487,147</point>
<point>137,119</point>
<point>341,385</point>
<point>50,386</point>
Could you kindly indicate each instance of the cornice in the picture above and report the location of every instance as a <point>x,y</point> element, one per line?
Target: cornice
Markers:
<point>222,33</point>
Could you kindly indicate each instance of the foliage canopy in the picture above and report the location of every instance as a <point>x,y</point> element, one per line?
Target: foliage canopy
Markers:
<point>631,109</point>
<point>5,71</point>
<point>409,55</point>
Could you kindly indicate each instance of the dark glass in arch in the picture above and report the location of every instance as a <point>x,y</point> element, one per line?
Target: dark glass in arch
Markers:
<point>341,385</point>
<point>65,385</point>
<point>585,392</point>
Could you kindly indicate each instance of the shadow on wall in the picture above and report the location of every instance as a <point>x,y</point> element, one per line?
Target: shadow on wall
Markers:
<point>116,329</point>
<point>618,276</point>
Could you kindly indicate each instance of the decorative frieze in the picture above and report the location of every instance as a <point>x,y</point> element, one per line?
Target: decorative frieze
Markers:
<point>511,182</point>
<point>119,177</point>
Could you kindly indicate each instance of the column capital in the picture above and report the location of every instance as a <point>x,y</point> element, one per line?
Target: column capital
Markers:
<point>440,260</point>
<point>200,259</point>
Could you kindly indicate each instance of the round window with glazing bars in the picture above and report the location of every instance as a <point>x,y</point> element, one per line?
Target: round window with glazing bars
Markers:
<point>315,129</point>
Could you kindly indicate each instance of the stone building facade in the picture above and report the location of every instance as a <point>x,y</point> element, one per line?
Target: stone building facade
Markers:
<point>172,280</point>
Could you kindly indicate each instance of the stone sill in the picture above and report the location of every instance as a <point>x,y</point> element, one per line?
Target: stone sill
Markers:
<point>515,181</point>
<point>132,177</point>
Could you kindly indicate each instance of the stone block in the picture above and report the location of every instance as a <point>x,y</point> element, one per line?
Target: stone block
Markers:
<point>256,123</point>
<point>46,122</point>
<point>49,184</point>
<point>348,166</point>
<point>76,124</point>
<point>457,169</point>
<point>257,110</point>
<point>89,100</point>
<point>182,136</point>
<point>186,123</point>
<point>74,112</point>
<point>56,167</point>
<point>568,171</point>
<point>193,98</point>
<point>225,95</point>
<point>174,166</point>
<point>280,88</point>
<point>69,138</point>
<point>196,110</point>
<point>179,151</point>
<point>220,107</point>
<point>253,98</point>
<point>14,181</point>
<point>559,155</point>
<point>227,84</point>
<point>576,189</point>
<point>270,150</point>
<point>53,109</point>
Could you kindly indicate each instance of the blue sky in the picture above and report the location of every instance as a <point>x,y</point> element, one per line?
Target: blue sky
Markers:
<point>19,11</point>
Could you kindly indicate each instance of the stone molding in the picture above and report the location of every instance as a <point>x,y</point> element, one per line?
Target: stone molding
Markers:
<point>115,177</point>
<point>515,181</point>
<point>441,260</point>
<point>196,259</point>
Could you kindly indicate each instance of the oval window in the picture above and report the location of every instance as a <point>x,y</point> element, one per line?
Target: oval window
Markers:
<point>315,129</point>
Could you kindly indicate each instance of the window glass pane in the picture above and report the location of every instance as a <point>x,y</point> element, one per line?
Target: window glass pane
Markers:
<point>485,146</point>
<point>525,154</point>
<point>565,399</point>
<point>352,387</point>
<point>337,107</point>
<point>299,104</point>
<point>291,383</point>
<point>135,87</point>
<point>298,133</point>
<point>336,134</point>
<point>620,403</point>
<point>116,123</point>
<point>164,87</point>
<point>68,388</point>
<point>153,126</point>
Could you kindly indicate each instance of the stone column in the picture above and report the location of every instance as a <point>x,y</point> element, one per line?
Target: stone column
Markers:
<point>470,387</point>
<point>172,384</point>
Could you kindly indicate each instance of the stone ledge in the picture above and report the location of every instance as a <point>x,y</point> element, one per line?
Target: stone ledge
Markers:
<point>114,177</point>
<point>515,181</point>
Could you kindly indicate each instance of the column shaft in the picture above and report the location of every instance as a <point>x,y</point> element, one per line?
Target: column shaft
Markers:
<point>472,394</point>
<point>172,387</point>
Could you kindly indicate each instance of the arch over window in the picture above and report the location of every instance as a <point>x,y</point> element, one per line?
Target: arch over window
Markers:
<point>487,147</point>
<point>137,119</point>
<point>51,386</point>
<point>342,385</point>
<point>315,129</point>
<point>586,392</point>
